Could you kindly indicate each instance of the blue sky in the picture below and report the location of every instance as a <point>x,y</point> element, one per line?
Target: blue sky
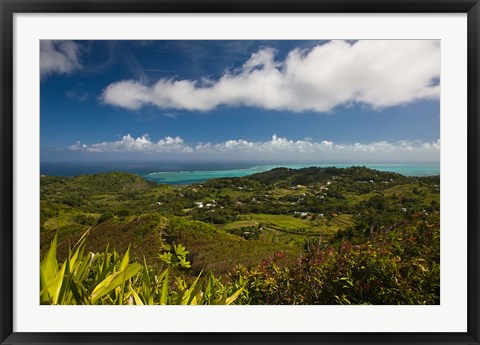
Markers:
<point>367,101</point>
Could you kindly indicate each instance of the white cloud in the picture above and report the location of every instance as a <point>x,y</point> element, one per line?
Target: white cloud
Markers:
<point>140,144</point>
<point>378,73</point>
<point>276,148</point>
<point>276,145</point>
<point>60,57</point>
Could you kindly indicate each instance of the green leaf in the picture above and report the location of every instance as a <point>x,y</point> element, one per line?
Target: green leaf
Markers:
<point>146,285</point>
<point>49,265</point>
<point>55,287</point>
<point>164,294</point>
<point>136,298</point>
<point>233,297</point>
<point>114,280</point>
<point>79,293</point>
<point>125,260</point>
<point>81,273</point>
<point>191,292</point>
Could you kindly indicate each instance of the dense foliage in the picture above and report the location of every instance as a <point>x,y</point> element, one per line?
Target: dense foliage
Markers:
<point>395,267</point>
<point>308,236</point>
<point>107,278</point>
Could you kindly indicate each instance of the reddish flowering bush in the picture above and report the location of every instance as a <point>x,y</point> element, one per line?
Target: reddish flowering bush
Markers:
<point>396,267</point>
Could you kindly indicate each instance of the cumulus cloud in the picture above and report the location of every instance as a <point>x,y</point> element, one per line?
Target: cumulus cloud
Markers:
<point>275,145</point>
<point>140,144</point>
<point>276,148</point>
<point>377,73</point>
<point>60,57</point>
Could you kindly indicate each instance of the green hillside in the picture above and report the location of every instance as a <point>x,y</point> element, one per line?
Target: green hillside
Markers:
<point>279,220</point>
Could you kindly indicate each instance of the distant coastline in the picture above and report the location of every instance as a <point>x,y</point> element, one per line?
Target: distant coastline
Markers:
<point>188,173</point>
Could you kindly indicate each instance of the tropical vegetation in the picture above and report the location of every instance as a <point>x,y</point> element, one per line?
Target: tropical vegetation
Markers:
<point>307,236</point>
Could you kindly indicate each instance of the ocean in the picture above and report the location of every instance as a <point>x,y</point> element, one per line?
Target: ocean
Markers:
<point>181,173</point>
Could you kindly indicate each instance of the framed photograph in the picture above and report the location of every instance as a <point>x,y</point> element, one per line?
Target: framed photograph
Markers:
<point>239,172</point>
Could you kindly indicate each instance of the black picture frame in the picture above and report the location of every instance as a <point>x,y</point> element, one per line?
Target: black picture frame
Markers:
<point>9,7</point>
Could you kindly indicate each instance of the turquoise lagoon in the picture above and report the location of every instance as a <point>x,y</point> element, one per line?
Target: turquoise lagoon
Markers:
<point>188,177</point>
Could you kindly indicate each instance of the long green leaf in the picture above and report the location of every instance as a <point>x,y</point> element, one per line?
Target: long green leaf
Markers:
<point>233,297</point>
<point>136,298</point>
<point>190,293</point>
<point>114,280</point>
<point>104,269</point>
<point>82,239</point>
<point>164,294</point>
<point>63,295</point>
<point>146,285</point>
<point>55,287</point>
<point>79,293</point>
<point>84,267</point>
<point>125,260</point>
<point>49,265</point>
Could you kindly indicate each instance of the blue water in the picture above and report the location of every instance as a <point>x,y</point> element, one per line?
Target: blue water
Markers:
<point>196,172</point>
<point>187,177</point>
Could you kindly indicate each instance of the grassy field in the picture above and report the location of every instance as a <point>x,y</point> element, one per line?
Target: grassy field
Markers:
<point>278,220</point>
<point>239,224</point>
<point>294,241</point>
<point>294,224</point>
<point>289,230</point>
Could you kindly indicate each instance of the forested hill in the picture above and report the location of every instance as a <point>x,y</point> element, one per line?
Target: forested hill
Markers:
<point>228,223</point>
<point>314,175</point>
